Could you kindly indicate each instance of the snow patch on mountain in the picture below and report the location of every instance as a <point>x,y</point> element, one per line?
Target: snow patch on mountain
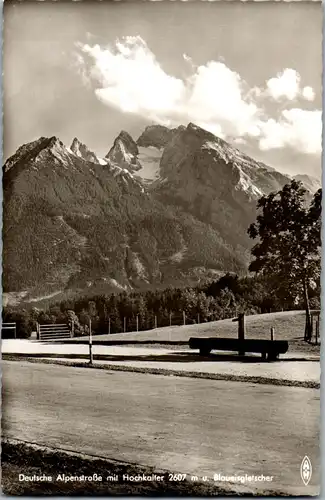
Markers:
<point>124,174</point>
<point>139,267</point>
<point>117,284</point>
<point>45,297</point>
<point>101,161</point>
<point>231,154</point>
<point>179,256</point>
<point>127,156</point>
<point>245,183</point>
<point>149,159</point>
<point>252,174</point>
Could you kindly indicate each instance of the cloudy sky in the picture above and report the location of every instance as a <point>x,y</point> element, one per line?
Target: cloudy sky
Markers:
<point>248,72</point>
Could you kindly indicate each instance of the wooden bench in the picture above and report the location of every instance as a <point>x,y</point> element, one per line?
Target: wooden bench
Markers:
<point>269,349</point>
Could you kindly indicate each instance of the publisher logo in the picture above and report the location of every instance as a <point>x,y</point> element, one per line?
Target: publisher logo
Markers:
<point>306,470</point>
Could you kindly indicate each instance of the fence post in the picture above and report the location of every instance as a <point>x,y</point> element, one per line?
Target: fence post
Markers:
<point>184,318</point>
<point>272,333</point>
<point>90,344</point>
<point>109,326</point>
<point>198,319</point>
<point>124,325</point>
<point>137,323</point>
<point>155,321</point>
<point>317,330</point>
<point>72,329</point>
<point>170,319</point>
<point>37,331</point>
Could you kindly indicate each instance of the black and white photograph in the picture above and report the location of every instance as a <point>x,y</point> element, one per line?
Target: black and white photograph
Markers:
<point>161,248</point>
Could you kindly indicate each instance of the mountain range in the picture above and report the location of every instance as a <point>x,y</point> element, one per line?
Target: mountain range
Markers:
<point>170,208</point>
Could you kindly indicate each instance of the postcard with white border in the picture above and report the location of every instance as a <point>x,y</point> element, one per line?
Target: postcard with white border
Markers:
<point>161,237</point>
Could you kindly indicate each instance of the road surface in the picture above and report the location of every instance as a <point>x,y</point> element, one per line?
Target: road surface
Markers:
<point>194,426</point>
<point>294,367</point>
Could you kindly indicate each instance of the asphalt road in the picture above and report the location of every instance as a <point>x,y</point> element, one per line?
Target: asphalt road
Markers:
<point>194,426</point>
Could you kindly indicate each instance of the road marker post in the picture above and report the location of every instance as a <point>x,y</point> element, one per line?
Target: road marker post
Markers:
<point>90,344</point>
<point>241,330</point>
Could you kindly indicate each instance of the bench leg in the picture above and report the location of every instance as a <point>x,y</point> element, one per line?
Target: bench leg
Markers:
<point>272,356</point>
<point>205,352</point>
<point>264,356</point>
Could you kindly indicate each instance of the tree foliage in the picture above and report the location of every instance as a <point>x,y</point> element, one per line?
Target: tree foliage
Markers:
<point>220,299</point>
<point>287,252</point>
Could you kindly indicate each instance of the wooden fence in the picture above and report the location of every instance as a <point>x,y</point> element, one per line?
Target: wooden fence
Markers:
<point>56,331</point>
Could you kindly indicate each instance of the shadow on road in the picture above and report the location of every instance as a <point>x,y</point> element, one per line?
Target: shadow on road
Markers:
<point>181,357</point>
<point>173,357</point>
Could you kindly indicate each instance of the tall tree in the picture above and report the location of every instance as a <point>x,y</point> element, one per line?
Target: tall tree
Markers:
<point>288,230</point>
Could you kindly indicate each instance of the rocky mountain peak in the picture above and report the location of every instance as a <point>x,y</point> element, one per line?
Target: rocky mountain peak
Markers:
<point>128,142</point>
<point>23,151</point>
<point>55,144</point>
<point>202,169</point>
<point>202,135</point>
<point>124,152</point>
<point>81,150</point>
<point>30,151</point>
<point>156,136</point>
<point>54,141</point>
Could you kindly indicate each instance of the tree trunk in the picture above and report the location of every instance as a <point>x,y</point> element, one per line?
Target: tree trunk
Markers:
<point>307,309</point>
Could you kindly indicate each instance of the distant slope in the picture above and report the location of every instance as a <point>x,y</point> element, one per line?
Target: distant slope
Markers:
<point>309,182</point>
<point>288,326</point>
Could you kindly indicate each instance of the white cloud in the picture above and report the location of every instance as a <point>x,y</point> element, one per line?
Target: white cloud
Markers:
<point>240,140</point>
<point>308,93</point>
<point>287,85</point>
<point>297,128</point>
<point>187,58</point>
<point>129,77</point>
<point>216,94</point>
